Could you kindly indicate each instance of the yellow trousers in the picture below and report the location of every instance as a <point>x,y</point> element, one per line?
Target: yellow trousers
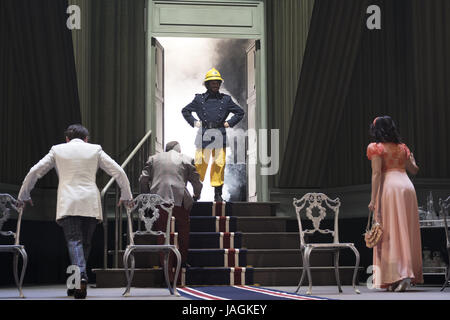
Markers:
<point>202,157</point>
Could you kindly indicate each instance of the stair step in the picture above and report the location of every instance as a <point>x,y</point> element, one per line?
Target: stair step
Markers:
<point>202,209</point>
<point>219,276</point>
<point>290,276</point>
<point>142,260</point>
<point>270,240</point>
<point>115,278</point>
<point>241,224</point>
<point>215,240</point>
<point>285,258</point>
<point>237,209</point>
<point>213,224</point>
<point>264,276</point>
<point>203,240</point>
<point>196,258</point>
<point>245,209</point>
<point>250,257</point>
<point>217,258</point>
<point>264,224</point>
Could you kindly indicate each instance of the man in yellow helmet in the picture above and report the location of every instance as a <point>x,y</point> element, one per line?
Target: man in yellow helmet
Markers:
<point>212,109</point>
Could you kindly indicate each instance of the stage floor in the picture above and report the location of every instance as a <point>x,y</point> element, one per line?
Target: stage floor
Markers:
<point>58,292</point>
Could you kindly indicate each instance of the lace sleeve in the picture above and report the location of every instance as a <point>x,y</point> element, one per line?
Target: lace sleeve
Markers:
<point>408,153</point>
<point>374,149</point>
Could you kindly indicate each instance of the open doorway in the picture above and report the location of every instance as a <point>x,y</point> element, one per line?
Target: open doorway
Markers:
<point>185,63</point>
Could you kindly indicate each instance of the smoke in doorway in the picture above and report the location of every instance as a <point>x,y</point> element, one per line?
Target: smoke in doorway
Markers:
<point>186,62</point>
<point>231,55</point>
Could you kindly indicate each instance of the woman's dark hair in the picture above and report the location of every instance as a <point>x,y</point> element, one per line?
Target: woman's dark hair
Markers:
<point>383,129</point>
<point>76,131</point>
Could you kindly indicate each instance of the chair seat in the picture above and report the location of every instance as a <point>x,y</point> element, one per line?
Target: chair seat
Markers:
<point>329,245</point>
<point>151,247</point>
<point>10,248</point>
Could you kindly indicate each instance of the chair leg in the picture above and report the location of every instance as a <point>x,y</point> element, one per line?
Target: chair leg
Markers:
<point>447,276</point>
<point>19,281</point>
<point>303,272</point>
<point>447,273</point>
<point>308,270</point>
<point>16,267</point>
<point>336,269</point>
<point>177,271</point>
<point>129,275</point>
<point>166,271</point>
<point>133,267</point>
<point>24,268</point>
<point>355,273</point>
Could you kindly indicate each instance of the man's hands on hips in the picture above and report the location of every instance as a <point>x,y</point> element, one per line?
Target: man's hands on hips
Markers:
<point>198,124</point>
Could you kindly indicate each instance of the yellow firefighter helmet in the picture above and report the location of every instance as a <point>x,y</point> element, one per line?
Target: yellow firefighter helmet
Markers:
<point>213,74</point>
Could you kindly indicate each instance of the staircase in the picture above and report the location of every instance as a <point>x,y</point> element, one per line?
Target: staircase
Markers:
<point>237,243</point>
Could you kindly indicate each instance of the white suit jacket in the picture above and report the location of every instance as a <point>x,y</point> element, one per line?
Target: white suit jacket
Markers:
<point>76,164</point>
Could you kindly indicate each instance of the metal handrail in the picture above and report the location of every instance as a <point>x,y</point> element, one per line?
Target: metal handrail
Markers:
<point>106,188</point>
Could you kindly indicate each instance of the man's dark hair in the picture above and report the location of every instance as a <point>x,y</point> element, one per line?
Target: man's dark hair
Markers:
<point>170,145</point>
<point>76,131</point>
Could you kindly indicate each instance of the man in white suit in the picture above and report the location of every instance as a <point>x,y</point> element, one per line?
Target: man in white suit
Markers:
<point>78,201</point>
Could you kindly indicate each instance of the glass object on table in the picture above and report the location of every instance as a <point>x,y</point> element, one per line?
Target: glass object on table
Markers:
<point>426,258</point>
<point>437,262</point>
<point>431,212</point>
<point>422,214</point>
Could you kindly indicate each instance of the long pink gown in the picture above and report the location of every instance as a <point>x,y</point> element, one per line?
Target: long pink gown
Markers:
<point>399,253</point>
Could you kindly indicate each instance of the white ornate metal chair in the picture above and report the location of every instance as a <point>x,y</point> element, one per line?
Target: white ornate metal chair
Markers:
<point>150,204</point>
<point>307,207</point>
<point>8,204</point>
<point>444,207</point>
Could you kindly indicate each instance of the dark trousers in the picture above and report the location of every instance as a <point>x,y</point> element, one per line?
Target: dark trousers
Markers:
<point>78,232</point>
<point>182,226</point>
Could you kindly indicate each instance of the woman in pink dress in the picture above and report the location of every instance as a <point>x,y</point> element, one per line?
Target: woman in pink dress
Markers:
<point>397,258</point>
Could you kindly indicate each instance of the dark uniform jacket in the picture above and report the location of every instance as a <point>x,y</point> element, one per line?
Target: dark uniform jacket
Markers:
<point>212,110</point>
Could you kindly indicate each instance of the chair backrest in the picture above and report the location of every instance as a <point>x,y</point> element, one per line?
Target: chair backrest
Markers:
<point>444,208</point>
<point>148,207</point>
<point>315,206</point>
<point>7,205</point>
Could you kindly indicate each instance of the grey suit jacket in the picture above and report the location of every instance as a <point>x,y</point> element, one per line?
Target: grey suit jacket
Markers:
<point>167,174</point>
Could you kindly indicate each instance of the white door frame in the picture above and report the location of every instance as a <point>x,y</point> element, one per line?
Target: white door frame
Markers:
<point>154,28</point>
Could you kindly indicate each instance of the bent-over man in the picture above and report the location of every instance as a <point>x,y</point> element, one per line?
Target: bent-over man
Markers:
<point>167,174</point>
